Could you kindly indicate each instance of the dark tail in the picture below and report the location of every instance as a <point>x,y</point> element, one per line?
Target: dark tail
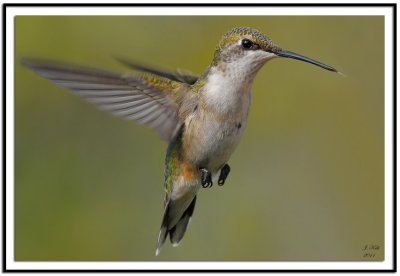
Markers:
<point>177,231</point>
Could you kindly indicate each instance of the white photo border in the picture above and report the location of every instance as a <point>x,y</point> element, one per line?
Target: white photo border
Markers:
<point>12,10</point>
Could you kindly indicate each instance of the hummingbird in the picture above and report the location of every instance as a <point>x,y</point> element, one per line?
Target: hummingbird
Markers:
<point>202,118</point>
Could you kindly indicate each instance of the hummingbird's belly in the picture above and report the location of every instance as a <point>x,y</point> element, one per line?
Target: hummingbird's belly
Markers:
<point>210,142</point>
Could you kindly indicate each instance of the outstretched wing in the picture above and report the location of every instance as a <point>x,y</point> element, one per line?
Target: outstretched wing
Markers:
<point>146,100</point>
<point>180,76</point>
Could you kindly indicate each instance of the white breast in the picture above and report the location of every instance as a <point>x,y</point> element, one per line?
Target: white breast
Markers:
<point>223,90</point>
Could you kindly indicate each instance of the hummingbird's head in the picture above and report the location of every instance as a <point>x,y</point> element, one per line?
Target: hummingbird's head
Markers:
<point>249,49</point>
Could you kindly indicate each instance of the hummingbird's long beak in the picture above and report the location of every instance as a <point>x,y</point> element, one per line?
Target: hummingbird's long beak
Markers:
<point>289,54</point>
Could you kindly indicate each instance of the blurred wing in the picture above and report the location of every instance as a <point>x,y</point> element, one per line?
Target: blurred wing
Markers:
<point>126,96</point>
<point>180,76</point>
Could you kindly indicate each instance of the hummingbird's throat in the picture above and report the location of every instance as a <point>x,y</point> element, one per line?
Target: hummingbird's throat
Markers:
<point>238,74</point>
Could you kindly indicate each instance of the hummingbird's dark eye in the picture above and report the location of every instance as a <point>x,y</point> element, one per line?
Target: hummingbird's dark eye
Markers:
<point>247,43</point>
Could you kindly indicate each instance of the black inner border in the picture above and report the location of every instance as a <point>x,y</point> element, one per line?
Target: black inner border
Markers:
<point>394,10</point>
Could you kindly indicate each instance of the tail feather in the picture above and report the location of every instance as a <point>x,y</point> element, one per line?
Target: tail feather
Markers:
<point>162,235</point>
<point>176,231</point>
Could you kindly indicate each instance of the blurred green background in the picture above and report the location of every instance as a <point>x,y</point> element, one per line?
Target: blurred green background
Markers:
<point>307,180</point>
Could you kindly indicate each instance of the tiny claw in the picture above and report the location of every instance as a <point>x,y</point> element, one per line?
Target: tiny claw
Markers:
<point>206,180</point>
<point>224,174</point>
<point>208,185</point>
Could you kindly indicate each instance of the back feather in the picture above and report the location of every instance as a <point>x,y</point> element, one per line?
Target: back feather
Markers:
<point>180,76</point>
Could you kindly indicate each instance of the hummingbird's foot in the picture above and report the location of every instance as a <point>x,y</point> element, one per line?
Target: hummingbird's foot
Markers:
<point>206,180</point>
<point>223,174</point>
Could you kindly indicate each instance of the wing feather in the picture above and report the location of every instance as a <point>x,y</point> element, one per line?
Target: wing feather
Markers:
<point>146,100</point>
